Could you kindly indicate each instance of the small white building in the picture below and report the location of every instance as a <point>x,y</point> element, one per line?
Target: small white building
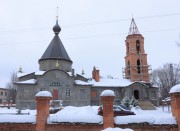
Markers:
<point>3,94</point>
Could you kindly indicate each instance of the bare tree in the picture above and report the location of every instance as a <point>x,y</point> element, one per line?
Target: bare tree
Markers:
<point>165,78</point>
<point>12,88</point>
<point>178,42</point>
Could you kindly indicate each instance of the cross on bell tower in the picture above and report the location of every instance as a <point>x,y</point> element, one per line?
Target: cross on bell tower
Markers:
<point>136,66</point>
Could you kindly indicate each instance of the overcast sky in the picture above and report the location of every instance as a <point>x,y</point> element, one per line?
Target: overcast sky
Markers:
<point>93,32</point>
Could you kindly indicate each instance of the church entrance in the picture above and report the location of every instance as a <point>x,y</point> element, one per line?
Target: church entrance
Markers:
<point>136,94</point>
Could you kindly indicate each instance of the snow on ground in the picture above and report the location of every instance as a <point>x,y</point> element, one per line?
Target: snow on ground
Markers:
<point>88,114</point>
<point>85,114</point>
<point>150,116</point>
<point>11,116</point>
<point>117,129</point>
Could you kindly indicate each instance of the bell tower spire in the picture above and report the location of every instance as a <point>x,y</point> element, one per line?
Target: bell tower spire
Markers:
<point>136,66</point>
<point>133,28</point>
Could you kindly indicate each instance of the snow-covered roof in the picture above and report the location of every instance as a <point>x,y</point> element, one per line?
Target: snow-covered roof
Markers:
<point>39,73</point>
<point>115,82</point>
<point>23,74</point>
<point>175,89</point>
<point>31,81</point>
<point>44,94</point>
<point>36,73</point>
<point>79,82</point>
<point>70,73</point>
<point>3,88</point>
<point>107,93</point>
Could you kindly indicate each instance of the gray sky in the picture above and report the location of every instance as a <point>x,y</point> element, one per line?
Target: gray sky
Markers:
<point>93,32</point>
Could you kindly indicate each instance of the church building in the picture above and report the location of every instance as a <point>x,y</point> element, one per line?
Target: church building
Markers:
<point>57,76</point>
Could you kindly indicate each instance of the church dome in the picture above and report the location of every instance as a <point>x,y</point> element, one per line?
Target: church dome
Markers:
<point>56,28</point>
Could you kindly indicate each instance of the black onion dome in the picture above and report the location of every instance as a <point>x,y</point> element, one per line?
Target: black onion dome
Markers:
<point>56,50</point>
<point>56,28</point>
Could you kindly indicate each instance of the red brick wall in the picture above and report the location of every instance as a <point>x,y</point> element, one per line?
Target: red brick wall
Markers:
<point>108,113</point>
<point>148,127</point>
<point>17,127</point>
<point>173,104</point>
<point>85,127</point>
<point>74,127</point>
<point>42,112</point>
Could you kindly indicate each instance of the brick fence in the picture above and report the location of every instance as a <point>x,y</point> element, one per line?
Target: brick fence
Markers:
<point>108,118</point>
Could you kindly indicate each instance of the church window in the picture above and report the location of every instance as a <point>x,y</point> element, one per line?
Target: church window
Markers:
<point>82,93</point>
<point>153,94</point>
<point>55,84</point>
<point>94,93</point>
<point>138,66</point>
<point>138,46</point>
<point>68,92</point>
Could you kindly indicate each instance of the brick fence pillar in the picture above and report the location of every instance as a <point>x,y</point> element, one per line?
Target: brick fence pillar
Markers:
<point>107,98</point>
<point>43,104</point>
<point>173,104</point>
<point>175,107</point>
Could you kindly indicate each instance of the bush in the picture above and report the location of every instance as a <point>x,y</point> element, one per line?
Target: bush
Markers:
<point>129,102</point>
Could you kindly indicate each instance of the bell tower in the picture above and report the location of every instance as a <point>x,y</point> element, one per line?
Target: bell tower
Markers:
<point>136,66</point>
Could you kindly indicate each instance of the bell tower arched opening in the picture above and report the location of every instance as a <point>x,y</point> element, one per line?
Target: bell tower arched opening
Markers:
<point>138,66</point>
<point>128,69</point>
<point>138,46</point>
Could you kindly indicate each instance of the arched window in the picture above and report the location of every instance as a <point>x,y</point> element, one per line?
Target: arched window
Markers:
<point>55,84</point>
<point>138,66</point>
<point>138,46</point>
<point>128,69</point>
<point>127,45</point>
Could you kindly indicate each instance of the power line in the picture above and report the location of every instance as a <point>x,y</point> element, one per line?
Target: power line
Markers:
<point>22,30</point>
<point>126,19</point>
<point>87,24</point>
<point>92,36</point>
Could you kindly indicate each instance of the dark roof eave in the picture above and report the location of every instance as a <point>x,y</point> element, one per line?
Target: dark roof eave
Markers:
<point>55,59</point>
<point>83,85</point>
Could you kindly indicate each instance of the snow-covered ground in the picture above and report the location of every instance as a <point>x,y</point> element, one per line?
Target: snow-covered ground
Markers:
<point>11,116</point>
<point>85,114</point>
<point>150,116</point>
<point>88,114</point>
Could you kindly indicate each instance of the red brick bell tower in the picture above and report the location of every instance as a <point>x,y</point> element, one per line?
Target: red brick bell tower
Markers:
<point>136,66</point>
